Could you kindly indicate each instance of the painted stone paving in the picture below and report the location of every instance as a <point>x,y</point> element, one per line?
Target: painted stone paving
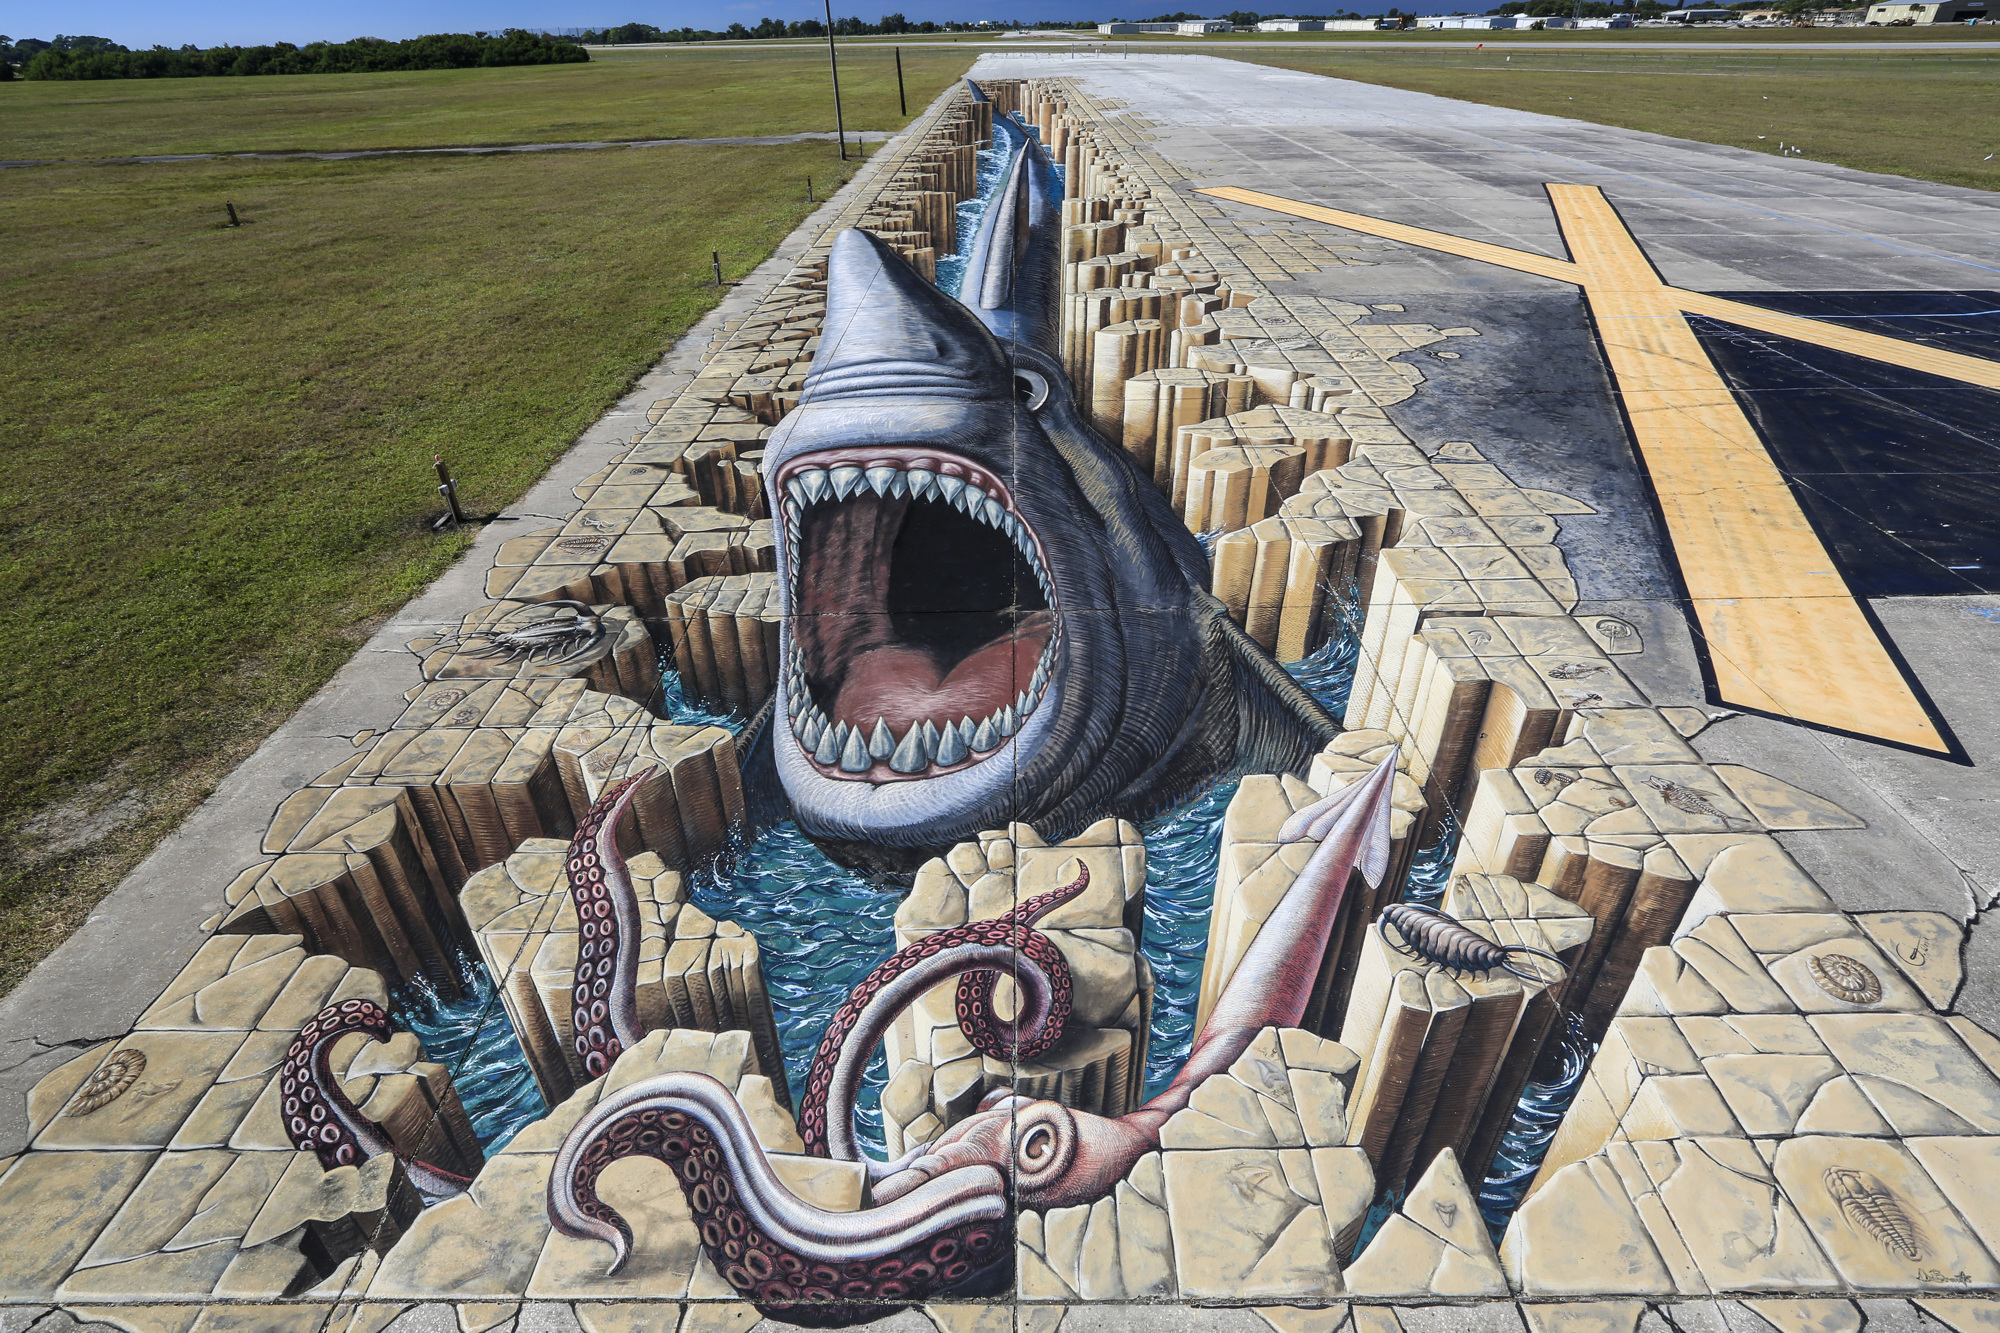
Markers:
<point>950,596</point>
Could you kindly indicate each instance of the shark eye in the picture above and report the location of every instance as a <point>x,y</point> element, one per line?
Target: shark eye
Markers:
<point>1031,388</point>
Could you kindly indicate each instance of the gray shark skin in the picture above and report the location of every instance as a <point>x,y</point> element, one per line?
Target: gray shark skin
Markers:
<point>990,613</point>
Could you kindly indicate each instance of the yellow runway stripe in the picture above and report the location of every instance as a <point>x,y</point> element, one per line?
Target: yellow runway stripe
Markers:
<point>1524,260</point>
<point>1821,333</point>
<point>1784,635</point>
<point>1890,351</point>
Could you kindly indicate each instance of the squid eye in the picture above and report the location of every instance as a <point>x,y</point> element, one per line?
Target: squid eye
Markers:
<point>1031,389</point>
<point>1037,1146</point>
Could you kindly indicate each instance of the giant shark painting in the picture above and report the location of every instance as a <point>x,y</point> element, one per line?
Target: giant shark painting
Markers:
<point>990,613</point>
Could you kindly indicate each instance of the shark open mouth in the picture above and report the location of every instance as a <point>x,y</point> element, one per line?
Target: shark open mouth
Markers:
<point>924,622</point>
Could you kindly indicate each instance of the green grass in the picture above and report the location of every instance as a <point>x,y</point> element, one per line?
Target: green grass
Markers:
<point>1905,115</point>
<point>218,440</point>
<point>710,92</point>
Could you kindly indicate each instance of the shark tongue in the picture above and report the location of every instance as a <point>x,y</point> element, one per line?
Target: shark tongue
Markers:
<point>907,683</point>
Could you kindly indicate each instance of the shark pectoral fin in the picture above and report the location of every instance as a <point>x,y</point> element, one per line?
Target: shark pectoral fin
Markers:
<point>1279,727</point>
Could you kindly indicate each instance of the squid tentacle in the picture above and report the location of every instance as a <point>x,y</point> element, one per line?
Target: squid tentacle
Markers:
<point>604,1004</point>
<point>793,1259</point>
<point>319,1117</point>
<point>978,953</point>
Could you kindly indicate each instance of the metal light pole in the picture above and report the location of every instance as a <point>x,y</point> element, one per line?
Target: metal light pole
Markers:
<point>902,102</point>
<point>833,62</point>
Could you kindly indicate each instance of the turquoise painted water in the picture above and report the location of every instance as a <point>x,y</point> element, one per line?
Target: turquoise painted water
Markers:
<point>1544,1103</point>
<point>472,1038</point>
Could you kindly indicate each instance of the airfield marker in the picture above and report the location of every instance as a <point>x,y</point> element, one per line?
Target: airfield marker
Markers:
<point>1786,636</point>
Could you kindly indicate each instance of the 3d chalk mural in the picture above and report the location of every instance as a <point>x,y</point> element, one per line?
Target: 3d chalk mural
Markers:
<point>1024,784</point>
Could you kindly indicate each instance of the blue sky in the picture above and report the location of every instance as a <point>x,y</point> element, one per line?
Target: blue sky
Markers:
<point>246,22</point>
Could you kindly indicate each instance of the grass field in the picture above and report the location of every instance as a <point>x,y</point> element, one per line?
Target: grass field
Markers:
<point>710,92</point>
<point>217,441</point>
<point>1907,115</point>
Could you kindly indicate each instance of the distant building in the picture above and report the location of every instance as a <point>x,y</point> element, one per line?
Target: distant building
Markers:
<point>1354,25</point>
<point>1292,25</point>
<point>1484,22</point>
<point>1615,21</point>
<point>1935,11</point>
<point>1699,15</point>
<point>1202,27</point>
<point>1128,29</point>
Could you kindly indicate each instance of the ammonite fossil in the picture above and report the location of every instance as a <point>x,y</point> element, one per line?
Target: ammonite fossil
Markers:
<point>1872,1207</point>
<point>1845,978</point>
<point>109,1082</point>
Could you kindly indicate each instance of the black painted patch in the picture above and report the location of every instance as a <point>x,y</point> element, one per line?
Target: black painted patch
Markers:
<point>1898,471</point>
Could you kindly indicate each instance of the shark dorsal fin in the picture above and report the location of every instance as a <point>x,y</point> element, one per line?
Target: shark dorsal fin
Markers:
<point>1011,274</point>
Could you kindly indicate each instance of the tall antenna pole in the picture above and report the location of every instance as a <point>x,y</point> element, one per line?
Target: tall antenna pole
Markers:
<point>833,61</point>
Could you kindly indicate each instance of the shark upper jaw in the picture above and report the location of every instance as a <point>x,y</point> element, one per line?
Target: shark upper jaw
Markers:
<point>924,628</point>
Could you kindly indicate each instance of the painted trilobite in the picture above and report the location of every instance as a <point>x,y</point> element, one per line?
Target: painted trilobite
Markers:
<point>109,1082</point>
<point>1845,978</point>
<point>1433,936</point>
<point>1872,1207</point>
<point>573,629</point>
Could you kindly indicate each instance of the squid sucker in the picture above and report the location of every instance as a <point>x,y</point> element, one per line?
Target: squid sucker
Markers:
<point>604,994</point>
<point>977,953</point>
<point>320,1119</point>
<point>941,1217</point>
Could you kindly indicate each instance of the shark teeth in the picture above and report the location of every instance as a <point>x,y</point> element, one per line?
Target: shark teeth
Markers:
<point>871,746</point>
<point>895,479</point>
<point>856,746</point>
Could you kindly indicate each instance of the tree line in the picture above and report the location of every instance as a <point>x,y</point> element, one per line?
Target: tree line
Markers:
<point>890,25</point>
<point>101,58</point>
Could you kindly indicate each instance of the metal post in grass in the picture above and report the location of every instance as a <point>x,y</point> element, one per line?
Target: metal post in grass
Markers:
<point>809,191</point>
<point>449,490</point>
<point>234,221</point>
<point>902,103</point>
<point>833,63</point>
<point>716,257</point>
